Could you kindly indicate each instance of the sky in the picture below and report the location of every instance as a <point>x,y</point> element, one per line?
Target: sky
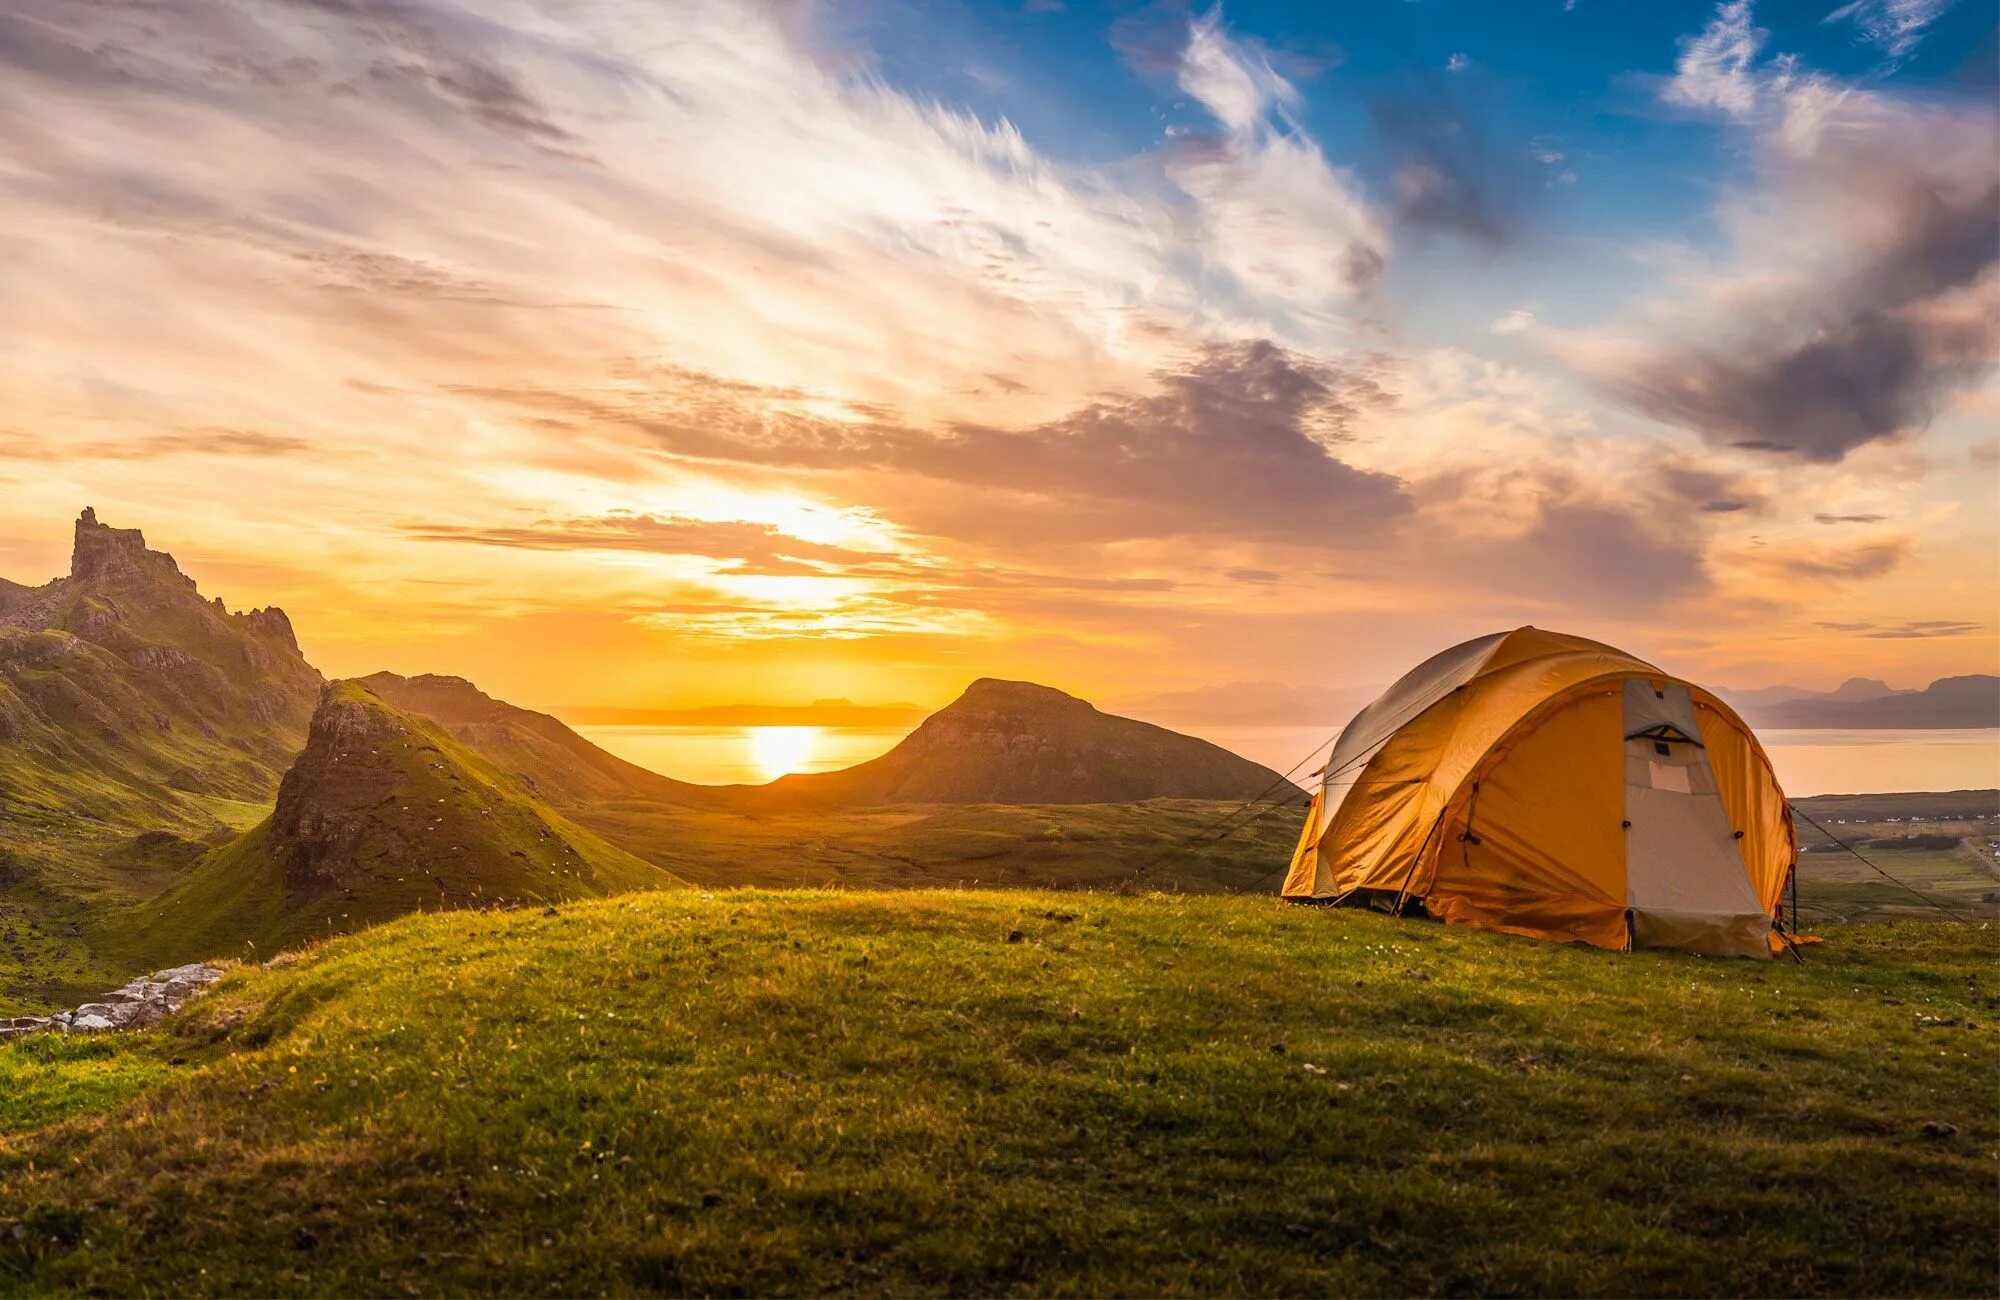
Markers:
<point>671,354</point>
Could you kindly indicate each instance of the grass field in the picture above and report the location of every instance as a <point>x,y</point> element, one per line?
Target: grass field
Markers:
<point>1013,1091</point>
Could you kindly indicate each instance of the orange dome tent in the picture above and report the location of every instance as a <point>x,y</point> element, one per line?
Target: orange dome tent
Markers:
<point>1546,785</point>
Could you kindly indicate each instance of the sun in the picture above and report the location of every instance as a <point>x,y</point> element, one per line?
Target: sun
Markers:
<point>778,751</point>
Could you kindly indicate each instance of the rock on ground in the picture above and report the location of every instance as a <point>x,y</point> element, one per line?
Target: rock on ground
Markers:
<point>145,1001</point>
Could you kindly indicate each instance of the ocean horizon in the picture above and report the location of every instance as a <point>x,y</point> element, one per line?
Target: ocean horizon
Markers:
<point>1809,761</point>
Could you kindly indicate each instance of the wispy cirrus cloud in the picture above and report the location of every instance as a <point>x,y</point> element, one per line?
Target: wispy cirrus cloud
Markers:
<point>1895,26</point>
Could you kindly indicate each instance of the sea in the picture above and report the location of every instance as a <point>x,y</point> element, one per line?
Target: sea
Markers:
<point>1809,762</point>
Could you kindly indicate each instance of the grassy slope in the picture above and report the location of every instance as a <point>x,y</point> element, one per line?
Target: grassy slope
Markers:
<point>1088,846</point>
<point>453,832</point>
<point>767,1093</point>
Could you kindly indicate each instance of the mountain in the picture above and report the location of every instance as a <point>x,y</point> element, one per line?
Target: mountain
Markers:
<point>381,814</point>
<point>544,754</point>
<point>1971,701</point>
<point>139,723</point>
<point>123,692</point>
<point>1016,742</point>
<point>1853,690</point>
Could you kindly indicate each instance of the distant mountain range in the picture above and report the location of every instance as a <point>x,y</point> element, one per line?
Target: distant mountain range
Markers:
<point>1859,702</point>
<point>1867,704</point>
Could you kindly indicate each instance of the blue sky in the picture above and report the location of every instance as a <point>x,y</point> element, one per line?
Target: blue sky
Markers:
<point>789,349</point>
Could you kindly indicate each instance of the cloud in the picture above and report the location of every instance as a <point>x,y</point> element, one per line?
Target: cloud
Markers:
<point>741,547</point>
<point>1591,554</point>
<point>240,443</point>
<point>1707,488</point>
<point>1288,226</point>
<point>1817,565</point>
<point>1457,63</point>
<point>1833,323</point>
<point>1849,519</point>
<point>1920,630</point>
<point>1896,26</point>
<point>1233,81</point>
<point>1449,174</point>
<point>1714,68</point>
<point>1237,442</point>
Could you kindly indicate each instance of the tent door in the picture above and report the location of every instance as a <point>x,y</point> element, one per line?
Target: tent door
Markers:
<point>1686,886</point>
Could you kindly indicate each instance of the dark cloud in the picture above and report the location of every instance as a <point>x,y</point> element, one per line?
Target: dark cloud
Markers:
<point>1253,575</point>
<point>1872,375</point>
<point>1849,519</point>
<point>1239,443</point>
<point>1599,556</point>
<point>487,92</point>
<point>1901,220</point>
<point>1451,175</point>
<point>47,51</point>
<point>1707,489</point>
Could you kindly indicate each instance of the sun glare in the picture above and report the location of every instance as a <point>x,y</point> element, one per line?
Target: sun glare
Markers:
<point>778,751</point>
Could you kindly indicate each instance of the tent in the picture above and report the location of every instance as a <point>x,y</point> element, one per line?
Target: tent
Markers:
<point>1546,785</point>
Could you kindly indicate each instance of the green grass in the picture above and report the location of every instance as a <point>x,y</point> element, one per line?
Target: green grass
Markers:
<point>1043,846</point>
<point>761,1093</point>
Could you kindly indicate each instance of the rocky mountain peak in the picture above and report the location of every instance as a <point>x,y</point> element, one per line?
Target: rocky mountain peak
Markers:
<point>272,625</point>
<point>106,554</point>
<point>997,695</point>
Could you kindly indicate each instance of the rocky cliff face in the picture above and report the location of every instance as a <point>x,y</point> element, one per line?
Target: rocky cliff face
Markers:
<point>1017,742</point>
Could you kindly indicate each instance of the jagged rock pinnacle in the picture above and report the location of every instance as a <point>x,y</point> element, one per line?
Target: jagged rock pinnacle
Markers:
<point>102,551</point>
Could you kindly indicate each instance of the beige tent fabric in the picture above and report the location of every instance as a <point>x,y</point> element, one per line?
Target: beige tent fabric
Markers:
<point>1686,884</point>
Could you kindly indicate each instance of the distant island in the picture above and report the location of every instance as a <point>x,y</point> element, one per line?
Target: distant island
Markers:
<point>1866,704</point>
<point>820,713</point>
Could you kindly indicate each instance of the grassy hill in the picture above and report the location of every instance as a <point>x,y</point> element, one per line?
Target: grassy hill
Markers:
<point>985,1092</point>
<point>381,814</point>
<point>540,750</point>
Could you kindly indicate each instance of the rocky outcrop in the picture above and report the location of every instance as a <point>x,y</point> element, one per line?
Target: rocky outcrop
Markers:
<point>144,1002</point>
<point>116,555</point>
<point>339,794</point>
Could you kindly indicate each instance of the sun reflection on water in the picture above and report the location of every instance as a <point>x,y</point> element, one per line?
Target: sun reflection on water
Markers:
<point>777,751</point>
